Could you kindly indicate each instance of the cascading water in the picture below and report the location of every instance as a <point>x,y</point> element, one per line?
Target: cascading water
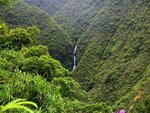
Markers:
<point>74,57</point>
<point>74,62</point>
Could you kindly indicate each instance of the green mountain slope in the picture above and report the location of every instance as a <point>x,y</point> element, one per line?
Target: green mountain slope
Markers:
<point>51,35</point>
<point>104,24</point>
<point>73,15</point>
<point>77,15</point>
<point>115,64</point>
<point>50,6</point>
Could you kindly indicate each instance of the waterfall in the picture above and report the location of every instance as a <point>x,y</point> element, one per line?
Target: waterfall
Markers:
<point>74,57</point>
<point>75,49</point>
<point>74,62</point>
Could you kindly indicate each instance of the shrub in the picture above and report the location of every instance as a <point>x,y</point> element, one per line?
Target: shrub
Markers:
<point>45,66</point>
<point>36,51</point>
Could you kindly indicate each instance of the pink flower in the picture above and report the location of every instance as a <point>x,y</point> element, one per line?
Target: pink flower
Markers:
<point>122,111</point>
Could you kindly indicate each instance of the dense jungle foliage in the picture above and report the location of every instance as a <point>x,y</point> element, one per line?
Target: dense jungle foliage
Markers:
<point>51,35</point>
<point>29,72</point>
<point>50,6</point>
<point>37,38</point>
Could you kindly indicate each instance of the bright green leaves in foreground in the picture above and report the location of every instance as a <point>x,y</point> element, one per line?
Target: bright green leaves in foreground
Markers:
<point>18,104</point>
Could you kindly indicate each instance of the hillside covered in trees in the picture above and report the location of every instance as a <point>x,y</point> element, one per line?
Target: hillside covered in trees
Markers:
<point>51,33</point>
<point>109,40</point>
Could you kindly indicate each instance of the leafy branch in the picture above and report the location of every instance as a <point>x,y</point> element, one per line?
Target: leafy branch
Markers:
<point>18,104</point>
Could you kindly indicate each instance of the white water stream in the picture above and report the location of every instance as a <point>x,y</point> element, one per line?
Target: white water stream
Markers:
<point>74,57</point>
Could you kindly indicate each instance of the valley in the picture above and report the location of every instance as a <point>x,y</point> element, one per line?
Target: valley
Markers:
<point>89,56</point>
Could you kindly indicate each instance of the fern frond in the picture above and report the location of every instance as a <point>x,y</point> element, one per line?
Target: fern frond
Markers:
<point>18,103</point>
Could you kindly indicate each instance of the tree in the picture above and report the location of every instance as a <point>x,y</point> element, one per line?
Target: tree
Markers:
<point>36,51</point>
<point>4,2</point>
<point>45,66</point>
<point>3,29</point>
<point>34,32</point>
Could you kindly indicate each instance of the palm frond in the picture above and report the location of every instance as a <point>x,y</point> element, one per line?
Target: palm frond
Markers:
<point>18,104</point>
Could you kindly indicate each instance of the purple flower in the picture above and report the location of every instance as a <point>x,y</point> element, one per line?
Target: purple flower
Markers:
<point>122,111</point>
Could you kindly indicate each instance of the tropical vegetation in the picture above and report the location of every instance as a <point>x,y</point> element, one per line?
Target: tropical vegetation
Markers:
<point>112,42</point>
